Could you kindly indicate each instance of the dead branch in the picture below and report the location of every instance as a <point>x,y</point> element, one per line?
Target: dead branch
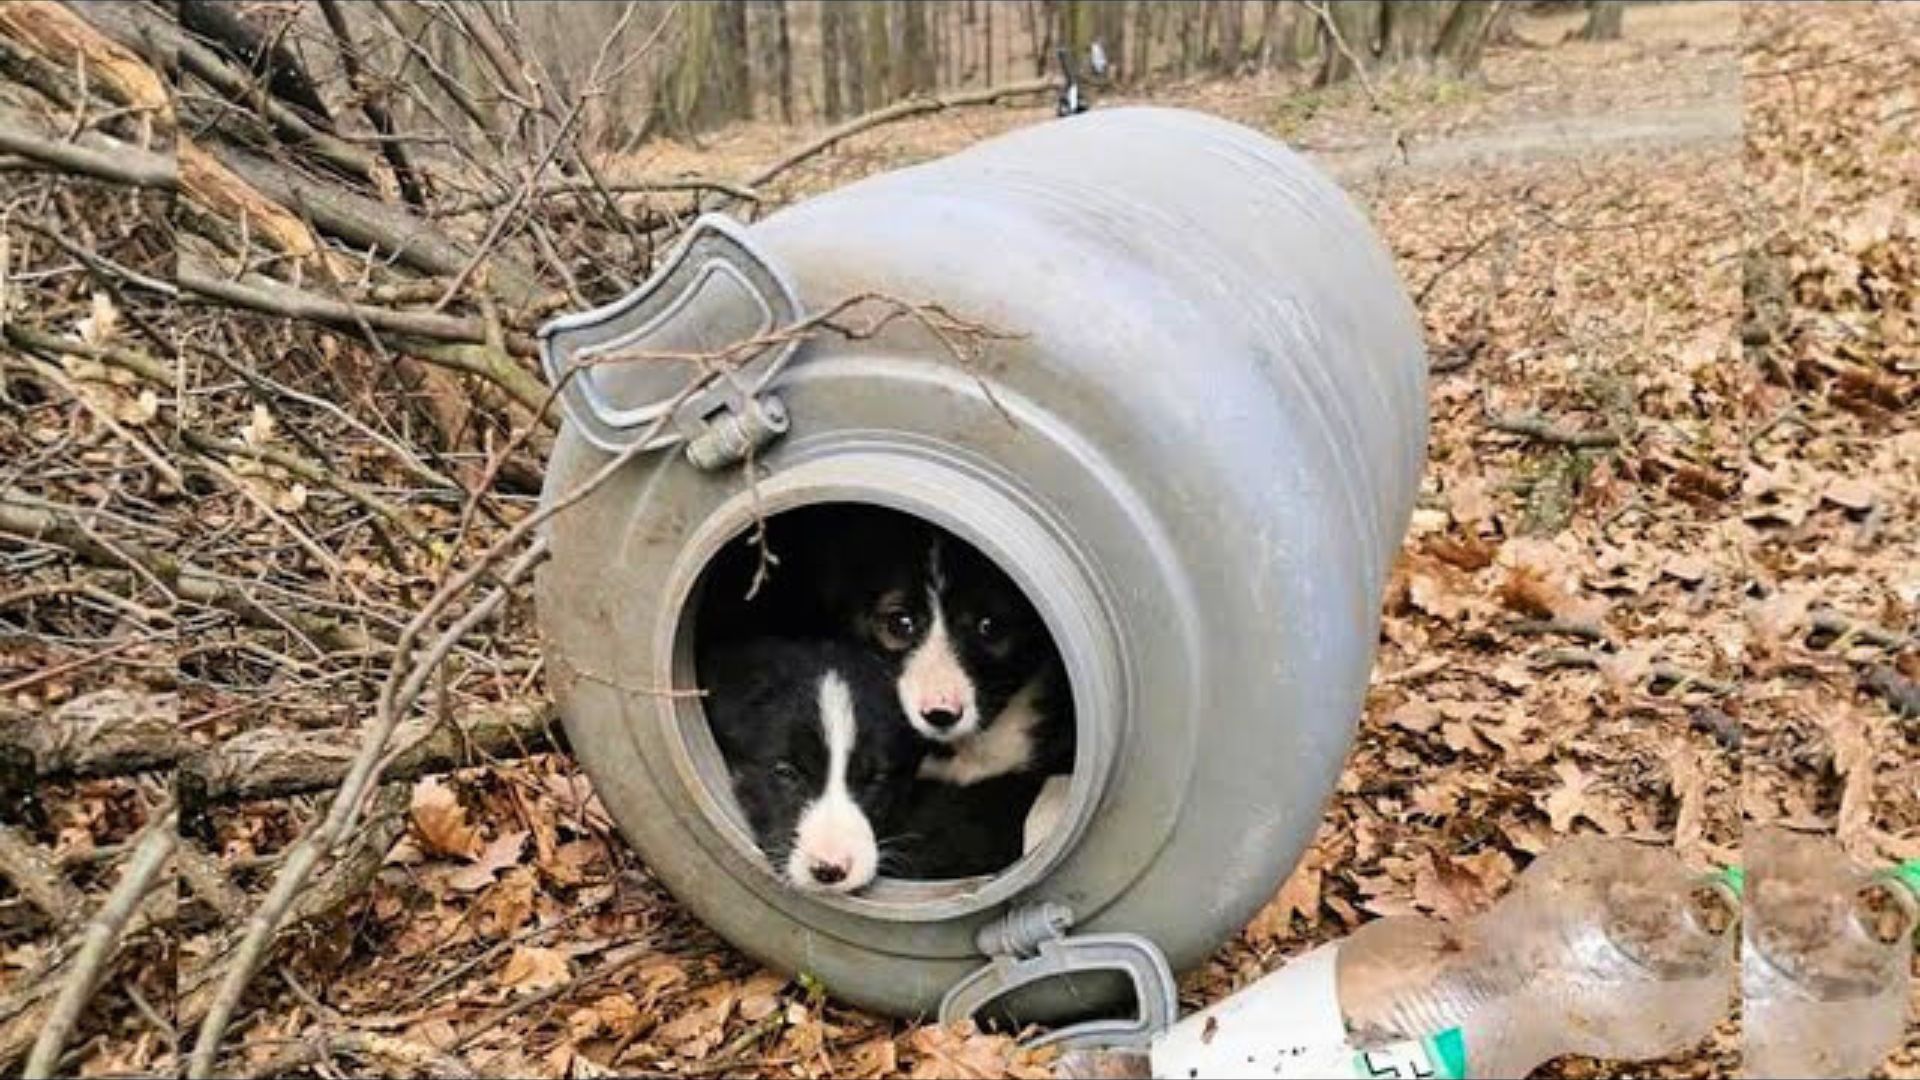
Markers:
<point>372,107</point>
<point>392,1054</point>
<point>203,877</point>
<point>204,64</point>
<point>111,732</point>
<point>1672,678</point>
<point>1842,630</point>
<point>1537,427</point>
<point>559,188</point>
<point>1586,631</point>
<point>28,518</point>
<point>261,55</point>
<point>477,357</point>
<point>406,678</point>
<point>116,162</point>
<point>1332,29</point>
<point>118,732</point>
<point>52,373</point>
<point>66,40</point>
<point>24,1011</point>
<point>208,182</point>
<point>364,222</point>
<point>448,85</point>
<point>343,882</point>
<point>313,473</point>
<point>141,364</point>
<point>1901,693</point>
<point>33,874</point>
<point>272,298</point>
<point>99,941</point>
<point>899,110</point>
<point>267,764</point>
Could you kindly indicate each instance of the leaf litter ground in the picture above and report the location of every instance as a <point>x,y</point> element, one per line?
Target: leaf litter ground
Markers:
<point>1664,558</point>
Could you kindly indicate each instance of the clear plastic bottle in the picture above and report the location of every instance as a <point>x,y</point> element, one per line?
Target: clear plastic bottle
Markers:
<point>1603,947</point>
<point>1826,960</point>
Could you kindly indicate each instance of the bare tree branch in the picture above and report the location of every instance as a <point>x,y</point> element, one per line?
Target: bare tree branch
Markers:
<point>899,110</point>
<point>100,939</point>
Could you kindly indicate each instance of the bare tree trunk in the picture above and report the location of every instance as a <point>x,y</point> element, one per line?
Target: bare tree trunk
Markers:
<point>1355,24</point>
<point>1207,13</point>
<point>1231,18</point>
<point>1304,38</point>
<point>1604,19</point>
<point>735,61</point>
<point>1142,40</point>
<point>915,74</point>
<point>1264,51</point>
<point>1076,29</point>
<point>873,87</point>
<point>783,60</point>
<point>831,32</point>
<point>1408,32</point>
<point>853,59</point>
<point>1188,24</point>
<point>987,19</point>
<point>1464,36</point>
<point>1110,29</point>
<point>1040,34</point>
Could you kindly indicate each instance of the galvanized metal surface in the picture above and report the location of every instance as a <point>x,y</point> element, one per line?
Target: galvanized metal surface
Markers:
<point>1199,458</point>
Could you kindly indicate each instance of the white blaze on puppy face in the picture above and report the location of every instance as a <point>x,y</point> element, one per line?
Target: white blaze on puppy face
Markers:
<point>933,680</point>
<point>833,831</point>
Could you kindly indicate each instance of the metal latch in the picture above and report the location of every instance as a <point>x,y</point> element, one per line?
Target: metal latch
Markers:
<point>642,369</point>
<point>728,423</point>
<point>1031,944</point>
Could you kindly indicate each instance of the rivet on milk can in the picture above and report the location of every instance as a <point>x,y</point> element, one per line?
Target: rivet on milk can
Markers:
<point>1195,449</point>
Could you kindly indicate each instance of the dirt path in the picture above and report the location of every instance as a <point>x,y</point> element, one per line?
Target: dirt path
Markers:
<point>1702,123</point>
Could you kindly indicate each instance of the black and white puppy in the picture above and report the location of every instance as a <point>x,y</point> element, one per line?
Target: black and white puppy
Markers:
<point>978,675</point>
<point>821,760</point>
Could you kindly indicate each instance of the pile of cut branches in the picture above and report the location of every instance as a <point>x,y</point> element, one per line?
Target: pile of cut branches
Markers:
<point>272,436</point>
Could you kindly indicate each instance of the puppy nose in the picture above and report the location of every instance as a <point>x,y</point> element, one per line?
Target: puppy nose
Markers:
<point>828,873</point>
<point>940,719</point>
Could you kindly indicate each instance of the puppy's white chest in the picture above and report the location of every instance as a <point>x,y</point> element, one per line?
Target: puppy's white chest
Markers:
<point>1006,746</point>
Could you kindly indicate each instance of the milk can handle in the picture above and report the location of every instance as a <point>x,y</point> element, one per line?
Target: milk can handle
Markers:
<point>716,271</point>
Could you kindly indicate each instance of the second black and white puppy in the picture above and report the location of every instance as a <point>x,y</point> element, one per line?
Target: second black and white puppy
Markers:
<point>821,760</point>
<point>978,675</point>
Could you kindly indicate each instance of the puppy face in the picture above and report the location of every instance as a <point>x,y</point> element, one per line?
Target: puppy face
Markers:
<point>965,639</point>
<point>820,759</point>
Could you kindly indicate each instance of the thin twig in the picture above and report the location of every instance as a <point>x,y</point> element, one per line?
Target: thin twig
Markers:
<point>101,935</point>
<point>897,111</point>
<point>1537,427</point>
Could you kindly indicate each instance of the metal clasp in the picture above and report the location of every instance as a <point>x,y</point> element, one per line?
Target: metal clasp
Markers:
<point>1031,944</point>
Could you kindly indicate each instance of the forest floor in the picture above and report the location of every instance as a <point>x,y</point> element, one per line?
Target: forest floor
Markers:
<point>1616,612</point>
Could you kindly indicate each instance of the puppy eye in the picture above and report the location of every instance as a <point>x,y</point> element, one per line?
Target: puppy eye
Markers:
<point>988,628</point>
<point>898,629</point>
<point>786,772</point>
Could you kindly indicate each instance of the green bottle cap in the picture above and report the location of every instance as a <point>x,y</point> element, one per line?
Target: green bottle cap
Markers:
<point>1736,879</point>
<point>1908,874</point>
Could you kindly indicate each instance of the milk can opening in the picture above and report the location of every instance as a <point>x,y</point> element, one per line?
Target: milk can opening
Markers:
<point>840,566</point>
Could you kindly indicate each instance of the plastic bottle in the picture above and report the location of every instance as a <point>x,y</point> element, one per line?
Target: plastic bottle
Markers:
<point>1826,960</point>
<point>1603,947</point>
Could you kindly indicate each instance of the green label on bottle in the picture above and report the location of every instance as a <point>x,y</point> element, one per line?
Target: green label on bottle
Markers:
<point>1435,1057</point>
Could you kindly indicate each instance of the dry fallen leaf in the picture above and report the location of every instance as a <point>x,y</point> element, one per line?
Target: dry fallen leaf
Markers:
<point>441,821</point>
<point>503,852</point>
<point>760,997</point>
<point>530,969</point>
